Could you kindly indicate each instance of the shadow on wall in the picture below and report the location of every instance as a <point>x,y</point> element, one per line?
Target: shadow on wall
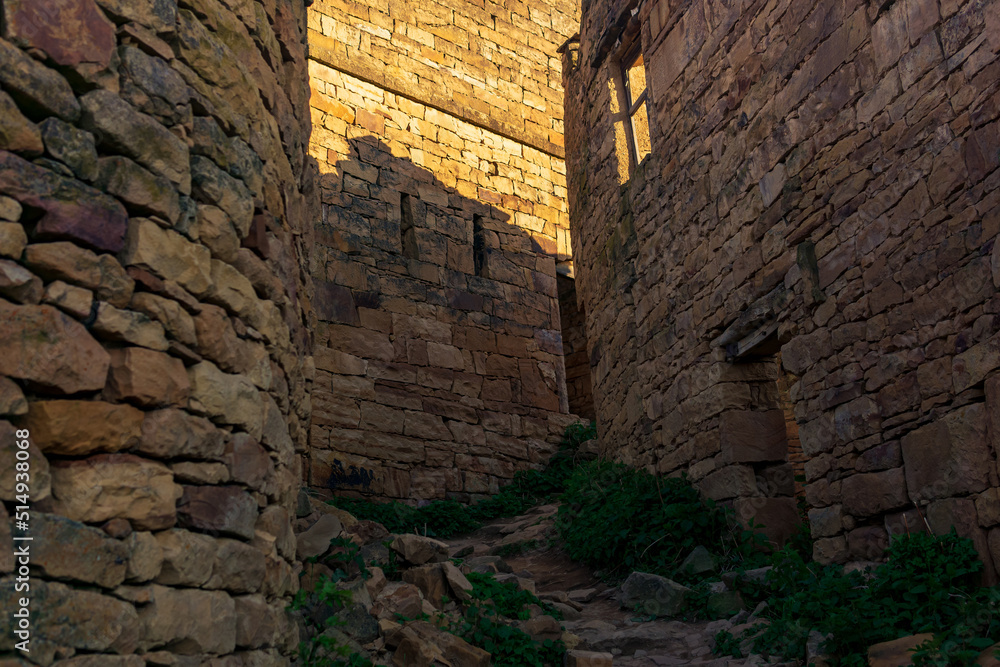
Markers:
<point>439,353</point>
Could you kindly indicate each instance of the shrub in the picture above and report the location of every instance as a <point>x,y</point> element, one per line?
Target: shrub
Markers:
<point>928,584</point>
<point>619,519</point>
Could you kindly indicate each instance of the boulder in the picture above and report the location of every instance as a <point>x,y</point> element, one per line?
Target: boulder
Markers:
<point>896,653</point>
<point>699,561</point>
<point>588,659</point>
<point>430,580</point>
<point>316,540</point>
<point>421,643</point>
<point>653,595</point>
<point>417,550</point>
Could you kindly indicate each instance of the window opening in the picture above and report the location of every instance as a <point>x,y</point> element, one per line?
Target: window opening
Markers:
<point>637,100</point>
<point>478,244</point>
<point>407,234</point>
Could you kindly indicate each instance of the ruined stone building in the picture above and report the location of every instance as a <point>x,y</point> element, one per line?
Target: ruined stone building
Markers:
<point>248,247</point>
<point>790,208</point>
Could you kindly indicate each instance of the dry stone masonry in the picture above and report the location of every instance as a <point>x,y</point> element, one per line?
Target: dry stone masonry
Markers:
<point>438,133</point>
<point>819,211</point>
<point>156,201</point>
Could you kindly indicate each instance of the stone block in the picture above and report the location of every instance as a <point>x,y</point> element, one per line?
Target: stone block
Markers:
<point>143,191</point>
<point>868,494</point>
<point>186,558</point>
<point>147,377</point>
<point>37,86</point>
<point>189,621</point>
<point>168,255</point>
<point>949,457</point>
<point>65,549</point>
<point>776,518</point>
<point>75,428</point>
<point>227,509</point>
<point>71,210</point>
<point>50,351</point>
<point>225,398</point>
<point>729,482</point>
<point>750,436</point>
<point>238,567</point>
<point>108,486</point>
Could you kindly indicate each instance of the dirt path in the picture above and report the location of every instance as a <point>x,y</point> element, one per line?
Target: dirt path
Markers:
<point>591,614</point>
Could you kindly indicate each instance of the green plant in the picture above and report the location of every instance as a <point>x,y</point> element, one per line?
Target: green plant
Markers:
<point>928,584</point>
<point>619,519</point>
<point>506,597</point>
<point>508,646</point>
<point>727,644</point>
<point>318,607</point>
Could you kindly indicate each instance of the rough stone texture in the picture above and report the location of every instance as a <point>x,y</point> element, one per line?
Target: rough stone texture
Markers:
<point>49,350</point>
<point>813,230</point>
<point>652,594</point>
<point>73,428</point>
<point>120,124</point>
<point>438,351</point>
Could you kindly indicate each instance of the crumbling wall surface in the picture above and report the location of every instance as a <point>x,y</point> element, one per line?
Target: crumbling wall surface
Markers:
<point>154,203</point>
<point>439,356</point>
<point>823,183</point>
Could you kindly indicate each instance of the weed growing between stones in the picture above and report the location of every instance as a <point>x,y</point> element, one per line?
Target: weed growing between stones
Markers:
<point>928,584</point>
<point>325,647</point>
<point>487,624</point>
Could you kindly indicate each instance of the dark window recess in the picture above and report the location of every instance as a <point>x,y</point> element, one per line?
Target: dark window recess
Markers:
<point>407,234</point>
<point>478,244</point>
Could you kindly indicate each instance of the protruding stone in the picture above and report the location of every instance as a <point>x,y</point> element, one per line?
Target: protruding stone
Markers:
<point>146,377</point>
<point>66,549</point>
<point>653,595</point>
<point>49,350</point>
<point>275,521</point>
<point>75,428</point>
<point>175,319</point>
<point>238,567</point>
<point>12,238</point>
<point>71,210</point>
<point>174,433</point>
<point>214,186</point>
<point>66,261</point>
<point>115,485</point>
<point>189,621</point>
<point>248,462</point>
<point>316,540</point>
<point>19,284</point>
<point>73,147</point>
<point>39,90</point>
<point>224,398</point>
<point>417,550</point>
<point>76,618</point>
<point>168,255</point>
<point>70,299</point>
<point>12,400</point>
<point>122,128</point>
<point>140,189</point>
<point>81,35</point>
<point>130,327</point>
<point>145,557</point>
<point>17,133</point>
<point>227,509</point>
<point>187,558</point>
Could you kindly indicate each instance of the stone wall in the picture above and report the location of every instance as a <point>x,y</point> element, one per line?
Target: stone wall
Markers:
<point>155,199</point>
<point>823,183</point>
<point>579,393</point>
<point>439,357</point>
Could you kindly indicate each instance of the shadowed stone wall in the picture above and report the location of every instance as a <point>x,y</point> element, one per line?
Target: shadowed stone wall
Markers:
<point>438,132</point>
<point>823,183</point>
<point>155,201</point>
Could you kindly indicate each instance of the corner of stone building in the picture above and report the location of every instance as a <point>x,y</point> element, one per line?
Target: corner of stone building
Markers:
<point>156,205</point>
